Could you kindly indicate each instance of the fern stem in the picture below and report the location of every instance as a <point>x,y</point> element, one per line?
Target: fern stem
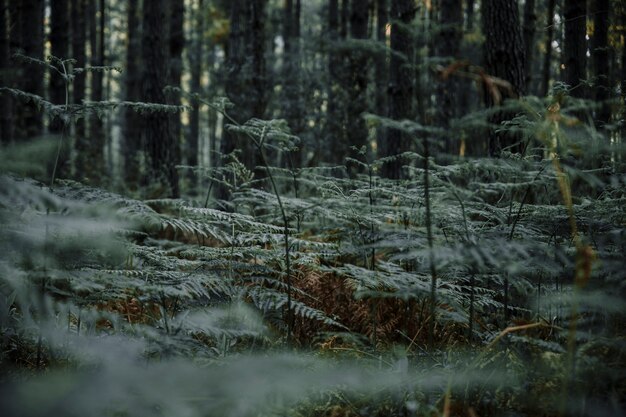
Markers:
<point>471,308</point>
<point>283,213</point>
<point>431,254</point>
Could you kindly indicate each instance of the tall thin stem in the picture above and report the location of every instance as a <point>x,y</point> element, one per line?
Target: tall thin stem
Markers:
<point>431,253</point>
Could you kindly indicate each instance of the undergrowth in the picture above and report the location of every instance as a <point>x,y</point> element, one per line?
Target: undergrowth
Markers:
<point>315,297</point>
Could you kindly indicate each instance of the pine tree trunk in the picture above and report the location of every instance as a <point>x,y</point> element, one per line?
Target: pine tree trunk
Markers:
<point>59,42</point>
<point>358,80</point>
<point>162,177</point>
<point>79,39</point>
<point>196,57</point>
<point>6,103</point>
<point>95,154</point>
<point>293,100</point>
<point>246,81</point>
<point>547,60</point>
<point>131,128</point>
<point>575,48</point>
<point>175,63</point>
<point>470,15</point>
<point>334,131</point>
<point>449,44</point>
<point>31,15</point>
<point>382,70</point>
<point>530,21</point>
<point>600,57</point>
<point>400,82</point>
<point>505,59</point>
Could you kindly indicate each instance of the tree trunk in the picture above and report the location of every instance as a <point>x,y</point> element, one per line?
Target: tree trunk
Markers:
<point>6,103</point>
<point>449,44</point>
<point>530,21</point>
<point>175,70</point>
<point>196,57</point>
<point>401,75</point>
<point>246,81</point>
<point>357,87</point>
<point>95,152</point>
<point>160,145</point>
<point>131,127</point>
<point>600,57</point>
<point>547,60</point>
<point>31,14</point>
<point>345,15</point>
<point>504,58</point>
<point>79,39</point>
<point>470,15</point>
<point>293,101</point>
<point>382,69</point>
<point>575,48</point>
<point>334,113</point>
<point>59,42</point>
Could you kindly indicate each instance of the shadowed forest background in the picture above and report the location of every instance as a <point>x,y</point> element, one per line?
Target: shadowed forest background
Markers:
<point>312,207</point>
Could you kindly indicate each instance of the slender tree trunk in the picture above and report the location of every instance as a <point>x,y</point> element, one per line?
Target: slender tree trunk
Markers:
<point>575,48</point>
<point>59,41</point>
<point>79,39</point>
<point>400,82</point>
<point>131,128</point>
<point>196,58</point>
<point>530,21</point>
<point>246,81</point>
<point>31,27</point>
<point>162,176</point>
<point>504,57</point>
<point>547,60</point>
<point>382,69</point>
<point>334,131</point>
<point>6,103</point>
<point>95,153</point>
<point>175,70</point>
<point>358,80</point>
<point>623,78</point>
<point>345,22</point>
<point>600,57</point>
<point>470,15</point>
<point>293,101</point>
<point>449,44</point>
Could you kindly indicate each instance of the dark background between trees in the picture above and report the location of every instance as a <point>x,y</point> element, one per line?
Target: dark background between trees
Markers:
<point>317,64</point>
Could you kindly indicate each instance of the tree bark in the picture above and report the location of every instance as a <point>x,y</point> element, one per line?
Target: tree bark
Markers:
<point>547,60</point>
<point>505,59</point>
<point>175,70</point>
<point>162,176</point>
<point>400,83</point>
<point>449,44</point>
<point>293,101</point>
<point>530,21</point>
<point>470,15</point>
<point>358,79</point>
<point>59,42</point>
<point>31,15</point>
<point>79,39</point>
<point>131,128</point>
<point>6,103</point>
<point>196,57</point>
<point>246,81</point>
<point>575,48</point>
<point>382,69</point>
<point>95,152</point>
<point>334,113</point>
<point>600,57</point>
